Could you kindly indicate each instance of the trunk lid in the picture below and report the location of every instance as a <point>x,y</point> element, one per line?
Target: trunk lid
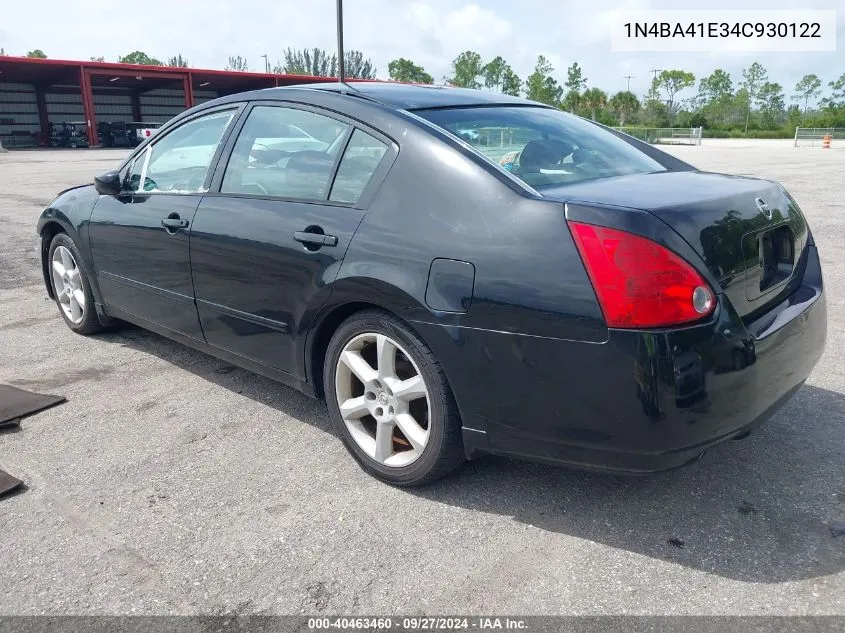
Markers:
<point>749,232</point>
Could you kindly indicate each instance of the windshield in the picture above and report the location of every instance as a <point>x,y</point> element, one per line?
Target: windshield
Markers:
<point>542,146</point>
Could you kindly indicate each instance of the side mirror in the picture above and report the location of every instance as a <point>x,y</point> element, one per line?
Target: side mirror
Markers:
<point>108,184</point>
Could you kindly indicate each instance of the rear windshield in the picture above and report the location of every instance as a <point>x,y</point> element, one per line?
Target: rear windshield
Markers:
<point>543,146</point>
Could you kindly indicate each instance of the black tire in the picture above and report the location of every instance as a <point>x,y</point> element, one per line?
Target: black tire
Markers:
<point>444,451</point>
<point>90,323</point>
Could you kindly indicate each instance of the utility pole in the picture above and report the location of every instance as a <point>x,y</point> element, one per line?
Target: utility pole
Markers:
<point>653,93</point>
<point>629,78</point>
<point>341,70</point>
<point>266,63</point>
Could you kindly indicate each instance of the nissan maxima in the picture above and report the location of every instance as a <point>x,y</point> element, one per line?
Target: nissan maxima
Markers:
<point>544,288</point>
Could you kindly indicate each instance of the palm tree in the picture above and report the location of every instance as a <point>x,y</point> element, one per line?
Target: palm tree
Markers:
<point>594,98</point>
<point>624,103</point>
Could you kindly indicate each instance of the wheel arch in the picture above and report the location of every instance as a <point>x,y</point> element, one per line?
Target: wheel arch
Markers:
<point>52,223</point>
<point>348,297</point>
<point>48,230</point>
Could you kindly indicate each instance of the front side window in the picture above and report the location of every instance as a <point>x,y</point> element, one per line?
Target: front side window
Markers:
<point>130,175</point>
<point>284,152</point>
<point>543,146</point>
<point>179,162</point>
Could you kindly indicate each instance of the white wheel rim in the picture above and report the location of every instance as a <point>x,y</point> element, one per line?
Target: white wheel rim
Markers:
<point>67,285</point>
<point>383,399</point>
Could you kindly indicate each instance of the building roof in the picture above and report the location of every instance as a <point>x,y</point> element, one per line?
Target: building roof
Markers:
<point>49,72</point>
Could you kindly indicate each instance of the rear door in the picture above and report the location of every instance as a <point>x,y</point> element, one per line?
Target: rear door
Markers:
<point>268,240</point>
<point>139,239</point>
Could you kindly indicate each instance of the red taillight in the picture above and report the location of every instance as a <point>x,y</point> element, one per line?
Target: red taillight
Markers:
<point>639,283</point>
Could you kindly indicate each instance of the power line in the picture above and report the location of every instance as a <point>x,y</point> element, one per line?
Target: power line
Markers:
<point>629,78</point>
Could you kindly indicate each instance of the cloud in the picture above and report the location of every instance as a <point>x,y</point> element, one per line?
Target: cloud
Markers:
<point>430,32</point>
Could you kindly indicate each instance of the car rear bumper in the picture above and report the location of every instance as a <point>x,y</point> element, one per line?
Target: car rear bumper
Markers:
<point>641,401</point>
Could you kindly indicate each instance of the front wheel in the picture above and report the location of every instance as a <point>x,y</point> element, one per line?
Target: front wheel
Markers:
<point>390,401</point>
<point>71,286</point>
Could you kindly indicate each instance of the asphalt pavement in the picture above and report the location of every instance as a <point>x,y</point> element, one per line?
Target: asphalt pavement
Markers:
<point>172,483</point>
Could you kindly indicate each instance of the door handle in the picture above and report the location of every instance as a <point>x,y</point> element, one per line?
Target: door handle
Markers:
<point>317,239</point>
<point>174,223</point>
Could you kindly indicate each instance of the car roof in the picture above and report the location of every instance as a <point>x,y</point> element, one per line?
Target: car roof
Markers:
<point>417,96</point>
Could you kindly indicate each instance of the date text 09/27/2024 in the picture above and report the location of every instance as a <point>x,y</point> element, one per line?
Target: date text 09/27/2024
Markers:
<point>416,623</point>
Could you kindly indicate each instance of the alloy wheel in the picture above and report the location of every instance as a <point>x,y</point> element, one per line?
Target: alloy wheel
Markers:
<point>67,284</point>
<point>383,399</point>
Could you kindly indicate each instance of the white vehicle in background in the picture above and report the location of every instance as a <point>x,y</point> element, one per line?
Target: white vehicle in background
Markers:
<point>146,132</point>
<point>292,139</point>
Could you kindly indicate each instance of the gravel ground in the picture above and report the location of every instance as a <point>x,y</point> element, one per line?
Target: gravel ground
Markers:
<point>171,484</point>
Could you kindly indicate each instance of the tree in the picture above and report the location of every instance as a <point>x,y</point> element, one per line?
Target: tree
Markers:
<point>405,70</point>
<point>466,68</point>
<point>770,102</point>
<point>715,87</point>
<point>511,83</point>
<point>315,62</point>
<point>139,57</point>
<point>654,111</point>
<point>593,99</point>
<point>177,61</point>
<point>715,97</point>
<point>624,103</point>
<point>575,83</point>
<point>541,86</point>
<point>36,54</point>
<point>2,52</point>
<point>809,87</point>
<point>672,82</point>
<point>837,94</point>
<point>752,78</point>
<point>356,67</point>
<point>498,75</point>
<point>575,79</point>
<point>494,73</point>
<point>237,64</point>
<point>98,59</point>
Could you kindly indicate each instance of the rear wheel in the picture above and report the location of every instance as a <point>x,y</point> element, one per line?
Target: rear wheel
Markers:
<point>390,401</point>
<point>71,287</point>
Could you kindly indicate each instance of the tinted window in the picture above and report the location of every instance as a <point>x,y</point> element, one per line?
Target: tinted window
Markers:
<point>543,146</point>
<point>179,161</point>
<point>284,152</point>
<point>359,163</point>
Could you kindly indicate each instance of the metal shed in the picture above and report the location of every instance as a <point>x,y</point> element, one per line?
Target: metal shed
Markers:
<point>37,92</point>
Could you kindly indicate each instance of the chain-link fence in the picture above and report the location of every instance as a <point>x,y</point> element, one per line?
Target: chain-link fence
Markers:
<point>815,136</point>
<point>665,135</point>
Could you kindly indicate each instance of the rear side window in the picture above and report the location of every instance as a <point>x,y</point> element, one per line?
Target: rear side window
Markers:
<point>284,152</point>
<point>543,146</point>
<point>359,163</point>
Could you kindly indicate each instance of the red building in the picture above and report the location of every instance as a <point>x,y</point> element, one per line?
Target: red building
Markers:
<point>37,92</point>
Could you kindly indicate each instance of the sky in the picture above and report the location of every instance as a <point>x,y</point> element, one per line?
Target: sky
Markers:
<point>430,32</point>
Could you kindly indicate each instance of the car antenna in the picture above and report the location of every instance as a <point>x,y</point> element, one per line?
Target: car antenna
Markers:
<point>341,59</point>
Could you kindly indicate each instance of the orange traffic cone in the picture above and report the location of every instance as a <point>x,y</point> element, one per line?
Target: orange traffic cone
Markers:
<point>826,141</point>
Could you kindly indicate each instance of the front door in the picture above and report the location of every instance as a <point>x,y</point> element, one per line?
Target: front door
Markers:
<point>267,246</point>
<point>140,239</point>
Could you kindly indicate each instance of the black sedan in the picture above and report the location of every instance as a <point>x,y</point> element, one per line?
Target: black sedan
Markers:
<point>456,272</point>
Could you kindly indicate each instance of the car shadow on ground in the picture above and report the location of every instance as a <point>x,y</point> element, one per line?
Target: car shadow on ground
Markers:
<point>755,510</point>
